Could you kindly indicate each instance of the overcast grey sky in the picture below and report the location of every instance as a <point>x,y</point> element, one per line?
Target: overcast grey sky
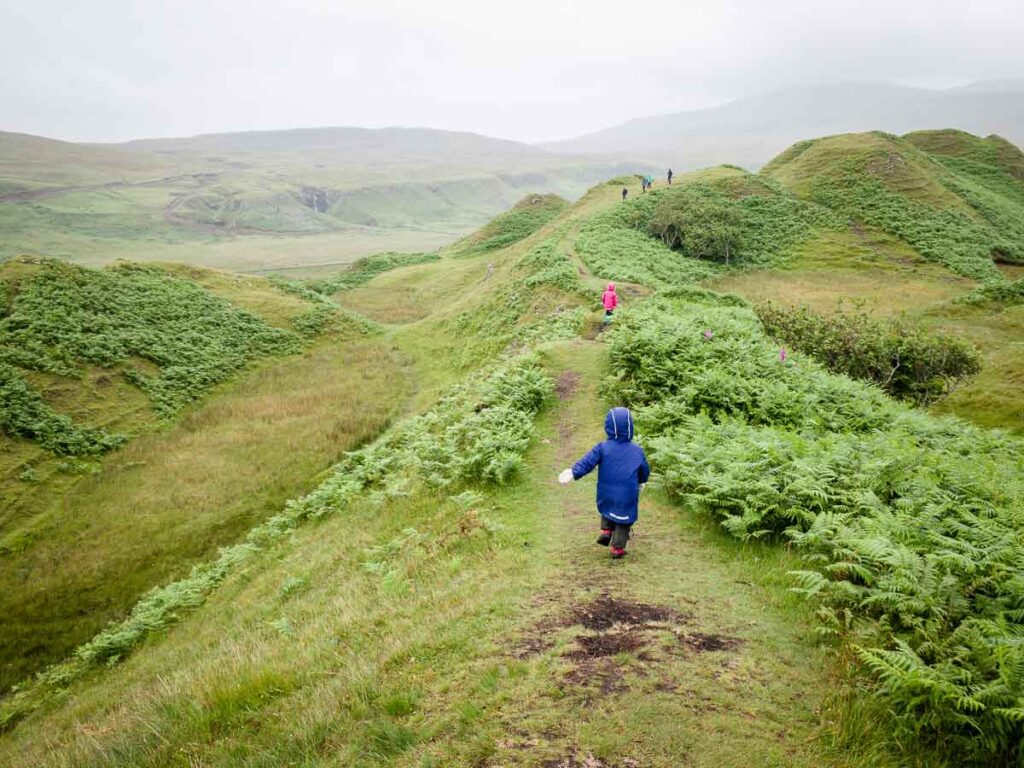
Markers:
<point>109,70</point>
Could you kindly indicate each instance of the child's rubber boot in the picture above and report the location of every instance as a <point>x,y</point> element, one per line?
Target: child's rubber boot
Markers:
<point>618,554</point>
<point>605,538</point>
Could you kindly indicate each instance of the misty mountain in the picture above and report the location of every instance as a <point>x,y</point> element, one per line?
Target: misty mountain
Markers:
<point>351,144</point>
<point>750,131</point>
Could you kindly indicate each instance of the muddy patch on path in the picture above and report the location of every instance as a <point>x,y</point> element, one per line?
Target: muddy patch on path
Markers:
<point>589,761</point>
<point>700,642</point>
<point>606,611</point>
<point>630,620</point>
<point>611,644</point>
<point>566,385</point>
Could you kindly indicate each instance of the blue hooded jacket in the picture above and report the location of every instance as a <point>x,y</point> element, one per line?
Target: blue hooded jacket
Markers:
<point>623,467</point>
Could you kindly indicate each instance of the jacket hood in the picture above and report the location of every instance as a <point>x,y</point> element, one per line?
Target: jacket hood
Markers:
<point>618,424</point>
<point>611,287</point>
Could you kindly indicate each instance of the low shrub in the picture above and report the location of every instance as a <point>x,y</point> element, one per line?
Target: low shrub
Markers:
<point>996,292</point>
<point>908,362</point>
<point>699,223</point>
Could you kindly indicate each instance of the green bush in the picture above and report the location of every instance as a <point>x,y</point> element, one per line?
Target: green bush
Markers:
<point>1003,293</point>
<point>615,246</point>
<point>906,361</point>
<point>700,224</point>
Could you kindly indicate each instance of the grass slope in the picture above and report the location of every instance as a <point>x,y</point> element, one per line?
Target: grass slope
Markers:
<point>81,537</point>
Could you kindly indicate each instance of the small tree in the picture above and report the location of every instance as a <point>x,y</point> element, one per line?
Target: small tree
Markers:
<point>699,224</point>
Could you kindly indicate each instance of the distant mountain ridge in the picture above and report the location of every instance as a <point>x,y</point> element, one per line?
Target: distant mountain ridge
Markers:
<point>752,130</point>
<point>404,142</point>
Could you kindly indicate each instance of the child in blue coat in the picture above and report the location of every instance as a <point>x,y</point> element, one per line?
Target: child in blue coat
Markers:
<point>623,470</point>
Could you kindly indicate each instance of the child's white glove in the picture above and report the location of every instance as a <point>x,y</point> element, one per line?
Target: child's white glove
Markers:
<point>565,477</point>
<point>642,486</point>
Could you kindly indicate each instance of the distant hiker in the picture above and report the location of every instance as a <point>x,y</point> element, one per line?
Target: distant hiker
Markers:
<point>623,470</point>
<point>610,300</point>
<point>669,175</point>
<point>490,271</point>
<point>624,193</point>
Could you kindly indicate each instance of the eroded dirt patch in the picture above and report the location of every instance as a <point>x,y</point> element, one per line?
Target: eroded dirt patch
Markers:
<point>701,642</point>
<point>589,761</point>
<point>567,384</point>
<point>607,644</point>
<point>632,621</point>
<point>605,612</point>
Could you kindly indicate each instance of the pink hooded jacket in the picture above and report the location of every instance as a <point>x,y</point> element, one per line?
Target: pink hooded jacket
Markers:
<point>609,298</point>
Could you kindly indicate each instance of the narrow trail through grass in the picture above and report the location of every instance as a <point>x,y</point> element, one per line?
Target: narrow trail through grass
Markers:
<point>677,655</point>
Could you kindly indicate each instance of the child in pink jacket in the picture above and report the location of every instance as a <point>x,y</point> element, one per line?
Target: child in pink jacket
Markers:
<point>610,300</point>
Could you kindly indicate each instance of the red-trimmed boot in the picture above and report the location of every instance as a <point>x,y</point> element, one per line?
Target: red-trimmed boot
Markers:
<point>617,553</point>
<point>605,538</point>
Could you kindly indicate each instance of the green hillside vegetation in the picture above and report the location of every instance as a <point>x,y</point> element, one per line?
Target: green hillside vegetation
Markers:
<point>822,575</point>
<point>962,213</point>
<point>526,217</point>
<point>97,356</point>
<point>906,361</point>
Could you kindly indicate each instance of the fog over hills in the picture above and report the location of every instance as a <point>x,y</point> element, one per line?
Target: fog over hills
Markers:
<point>750,131</point>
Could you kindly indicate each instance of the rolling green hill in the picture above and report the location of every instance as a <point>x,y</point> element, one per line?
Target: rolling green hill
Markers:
<point>963,211</point>
<point>822,575</point>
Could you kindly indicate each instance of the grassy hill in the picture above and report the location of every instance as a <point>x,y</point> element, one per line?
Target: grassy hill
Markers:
<point>822,574</point>
<point>230,200</point>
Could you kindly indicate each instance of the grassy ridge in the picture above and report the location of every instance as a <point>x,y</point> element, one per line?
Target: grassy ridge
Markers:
<point>476,433</point>
<point>955,210</point>
<point>126,349</point>
<point>526,217</point>
<point>770,223</point>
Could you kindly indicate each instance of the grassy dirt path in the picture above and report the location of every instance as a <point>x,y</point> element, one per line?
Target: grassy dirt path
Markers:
<point>679,655</point>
